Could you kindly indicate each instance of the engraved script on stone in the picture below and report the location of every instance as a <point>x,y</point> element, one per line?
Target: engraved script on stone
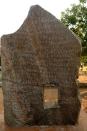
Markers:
<point>41,52</point>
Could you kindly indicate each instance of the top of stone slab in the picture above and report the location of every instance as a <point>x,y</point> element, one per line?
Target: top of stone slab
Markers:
<point>44,36</point>
<point>38,16</point>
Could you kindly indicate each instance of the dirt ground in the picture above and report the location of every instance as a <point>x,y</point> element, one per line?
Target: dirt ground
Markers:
<point>83,78</point>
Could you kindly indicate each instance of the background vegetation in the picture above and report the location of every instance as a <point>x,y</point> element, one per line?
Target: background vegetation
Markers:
<point>75,18</point>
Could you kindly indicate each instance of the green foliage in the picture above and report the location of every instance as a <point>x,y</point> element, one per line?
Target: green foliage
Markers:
<point>76,19</point>
<point>82,1</point>
<point>84,59</point>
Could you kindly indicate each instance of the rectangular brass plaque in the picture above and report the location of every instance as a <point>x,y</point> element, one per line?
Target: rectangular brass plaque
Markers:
<point>50,97</point>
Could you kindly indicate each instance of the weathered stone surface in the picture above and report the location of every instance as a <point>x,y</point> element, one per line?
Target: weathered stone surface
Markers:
<point>42,52</point>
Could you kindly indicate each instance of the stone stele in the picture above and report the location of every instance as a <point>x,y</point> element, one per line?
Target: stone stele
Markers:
<point>40,63</point>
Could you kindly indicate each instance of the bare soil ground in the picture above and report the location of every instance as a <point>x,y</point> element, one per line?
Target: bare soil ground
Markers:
<point>83,78</point>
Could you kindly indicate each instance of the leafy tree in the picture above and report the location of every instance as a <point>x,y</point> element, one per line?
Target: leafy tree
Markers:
<point>76,19</point>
